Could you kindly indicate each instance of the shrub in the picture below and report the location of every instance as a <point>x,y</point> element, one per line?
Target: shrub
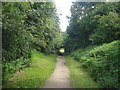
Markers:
<point>80,52</point>
<point>102,63</point>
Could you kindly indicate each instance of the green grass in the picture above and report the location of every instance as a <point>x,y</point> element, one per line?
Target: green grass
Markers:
<point>102,63</point>
<point>34,76</point>
<point>36,55</point>
<point>79,78</point>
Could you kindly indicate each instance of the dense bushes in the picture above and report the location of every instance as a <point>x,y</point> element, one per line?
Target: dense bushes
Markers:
<point>11,67</point>
<point>91,26</point>
<point>27,26</point>
<point>102,62</point>
<point>77,54</point>
<point>34,76</point>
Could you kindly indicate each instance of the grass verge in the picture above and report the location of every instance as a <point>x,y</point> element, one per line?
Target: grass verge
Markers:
<point>79,78</point>
<point>102,63</point>
<point>34,76</point>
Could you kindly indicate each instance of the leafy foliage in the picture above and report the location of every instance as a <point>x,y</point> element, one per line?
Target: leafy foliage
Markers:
<point>102,62</point>
<point>94,28</point>
<point>27,26</point>
<point>79,77</point>
<point>92,24</point>
<point>35,76</point>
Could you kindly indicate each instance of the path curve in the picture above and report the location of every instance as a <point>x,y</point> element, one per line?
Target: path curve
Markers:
<point>60,77</point>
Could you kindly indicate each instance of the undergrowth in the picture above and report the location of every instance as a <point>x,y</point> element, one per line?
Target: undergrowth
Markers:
<point>36,74</point>
<point>79,77</point>
<point>102,62</point>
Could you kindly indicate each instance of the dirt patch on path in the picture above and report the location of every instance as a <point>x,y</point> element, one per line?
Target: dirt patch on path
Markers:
<point>60,77</point>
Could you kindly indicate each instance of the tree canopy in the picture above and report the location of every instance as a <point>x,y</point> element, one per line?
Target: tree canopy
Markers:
<point>93,23</point>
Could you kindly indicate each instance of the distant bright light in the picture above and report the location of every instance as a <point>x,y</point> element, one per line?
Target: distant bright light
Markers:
<point>63,8</point>
<point>62,50</point>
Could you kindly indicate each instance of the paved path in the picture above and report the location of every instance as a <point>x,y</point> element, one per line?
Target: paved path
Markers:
<point>60,77</point>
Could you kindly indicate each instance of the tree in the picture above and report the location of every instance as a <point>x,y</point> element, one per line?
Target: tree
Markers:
<point>88,22</point>
<point>27,26</point>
